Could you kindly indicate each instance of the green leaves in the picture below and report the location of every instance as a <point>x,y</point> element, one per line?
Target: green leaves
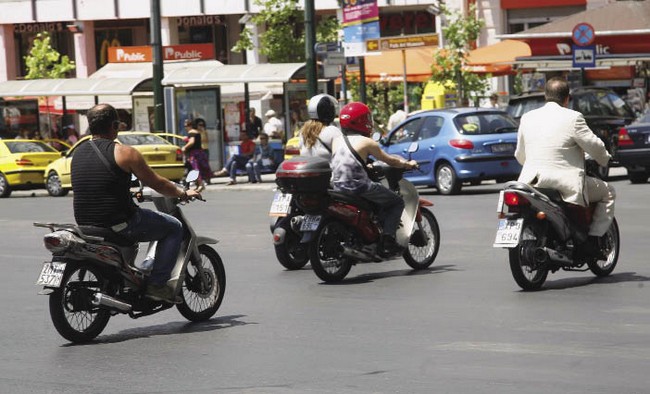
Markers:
<point>45,62</point>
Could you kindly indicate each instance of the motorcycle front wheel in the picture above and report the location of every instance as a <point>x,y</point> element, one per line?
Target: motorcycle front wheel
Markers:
<point>202,294</point>
<point>326,252</point>
<point>292,254</point>
<point>610,243</point>
<point>72,312</point>
<point>424,242</point>
<point>528,274</point>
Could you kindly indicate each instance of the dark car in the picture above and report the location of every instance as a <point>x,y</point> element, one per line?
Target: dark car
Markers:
<point>605,112</point>
<point>634,149</point>
<point>456,146</point>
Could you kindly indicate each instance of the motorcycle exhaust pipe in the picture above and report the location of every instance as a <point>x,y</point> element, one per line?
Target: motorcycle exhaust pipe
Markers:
<point>542,255</point>
<point>355,254</point>
<point>110,302</point>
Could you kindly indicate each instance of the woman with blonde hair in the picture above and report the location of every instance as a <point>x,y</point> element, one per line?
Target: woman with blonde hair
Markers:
<point>317,133</point>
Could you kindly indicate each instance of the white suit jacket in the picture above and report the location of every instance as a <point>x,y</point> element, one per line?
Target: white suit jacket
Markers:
<point>551,144</point>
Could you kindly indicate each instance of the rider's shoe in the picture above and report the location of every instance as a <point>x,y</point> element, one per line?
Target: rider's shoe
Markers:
<point>162,293</point>
<point>388,246</point>
<point>591,248</point>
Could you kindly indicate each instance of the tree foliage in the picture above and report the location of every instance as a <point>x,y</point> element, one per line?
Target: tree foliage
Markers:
<point>283,41</point>
<point>45,62</point>
<point>459,32</point>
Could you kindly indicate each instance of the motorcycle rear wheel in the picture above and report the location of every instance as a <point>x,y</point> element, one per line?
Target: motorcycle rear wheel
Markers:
<point>202,298</point>
<point>326,255</point>
<point>421,257</point>
<point>528,274</point>
<point>71,310</point>
<point>611,242</point>
<point>291,253</point>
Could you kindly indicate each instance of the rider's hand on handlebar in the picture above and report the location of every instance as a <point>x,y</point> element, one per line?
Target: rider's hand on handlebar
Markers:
<point>412,165</point>
<point>193,194</point>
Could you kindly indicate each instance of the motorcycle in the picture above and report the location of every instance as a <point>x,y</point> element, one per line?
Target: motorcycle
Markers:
<point>92,274</point>
<point>342,229</point>
<point>543,233</point>
<point>290,252</point>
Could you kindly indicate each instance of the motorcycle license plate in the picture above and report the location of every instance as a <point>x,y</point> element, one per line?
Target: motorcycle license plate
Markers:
<point>281,204</point>
<point>310,223</point>
<point>508,233</point>
<point>51,274</point>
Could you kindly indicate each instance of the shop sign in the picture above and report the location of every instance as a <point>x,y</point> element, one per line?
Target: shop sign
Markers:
<point>402,42</point>
<point>632,43</point>
<point>138,54</point>
<point>199,20</point>
<point>50,27</point>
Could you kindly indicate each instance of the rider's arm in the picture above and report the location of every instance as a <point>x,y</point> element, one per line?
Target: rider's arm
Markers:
<point>589,142</point>
<point>373,148</point>
<point>520,151</point>
<point>131,161</point>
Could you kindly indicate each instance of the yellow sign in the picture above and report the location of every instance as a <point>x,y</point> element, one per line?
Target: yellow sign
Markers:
<point>401,42</point>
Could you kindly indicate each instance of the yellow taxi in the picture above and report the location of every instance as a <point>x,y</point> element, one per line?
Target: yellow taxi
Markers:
<point>22,164</point>
<point>292,148</point>
<point>164,158</point>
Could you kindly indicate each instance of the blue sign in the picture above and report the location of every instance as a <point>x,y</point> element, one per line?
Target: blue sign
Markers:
<point>356,36</point>
<point>584,56</point>
<point>583,34</point>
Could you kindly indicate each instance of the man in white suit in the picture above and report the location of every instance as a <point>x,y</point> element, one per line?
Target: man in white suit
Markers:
<point>551,144</point>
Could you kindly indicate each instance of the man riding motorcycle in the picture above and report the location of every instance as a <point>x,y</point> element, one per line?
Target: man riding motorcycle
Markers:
<point>101,176</point>
<point>349,173</point>
<point>551,146</point>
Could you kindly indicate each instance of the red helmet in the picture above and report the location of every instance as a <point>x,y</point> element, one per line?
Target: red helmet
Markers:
<point>357,117</point>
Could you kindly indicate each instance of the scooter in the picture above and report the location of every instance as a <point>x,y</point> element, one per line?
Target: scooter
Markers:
<point>92,274</point>
<point>342,229</point>
<point>543,233</point>
<point>290,252</point>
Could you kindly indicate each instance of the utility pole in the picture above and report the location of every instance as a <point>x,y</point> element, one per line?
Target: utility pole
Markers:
<point>156,50</point>
<point>310,50</point>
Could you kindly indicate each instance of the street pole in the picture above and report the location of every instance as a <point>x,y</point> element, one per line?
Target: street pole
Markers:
<point>362,79</point>
<point>310,51</point>
<point>156,49</point>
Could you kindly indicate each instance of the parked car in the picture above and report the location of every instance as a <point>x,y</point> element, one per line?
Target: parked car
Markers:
<point>23,163</point>
<point>634,149</point>
<point>164,158</point>
<point>605,112</point>
<point>292,148</point>
<point>456,146</point>
<point>57,144</point>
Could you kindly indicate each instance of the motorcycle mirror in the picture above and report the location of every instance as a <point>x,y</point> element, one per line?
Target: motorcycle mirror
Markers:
<point>376,136</point>
<point>133,177</point>
<point>192,176</point>
<point>414,147</point>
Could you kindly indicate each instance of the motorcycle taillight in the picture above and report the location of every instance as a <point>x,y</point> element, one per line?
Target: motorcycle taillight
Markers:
<point>513,199</point>
<point>59,241</point>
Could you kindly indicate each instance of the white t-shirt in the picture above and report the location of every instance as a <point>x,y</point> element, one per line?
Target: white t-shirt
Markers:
<point>327,136</point>
<point>273,127</point>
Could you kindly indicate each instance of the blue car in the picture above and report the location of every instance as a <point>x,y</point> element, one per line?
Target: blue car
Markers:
<point>456,146</point>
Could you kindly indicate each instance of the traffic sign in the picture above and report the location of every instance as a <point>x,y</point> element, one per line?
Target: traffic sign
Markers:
<point>322,48</point>
<point>401,42</point>
<point>583,34</point>
<point>584,56</point>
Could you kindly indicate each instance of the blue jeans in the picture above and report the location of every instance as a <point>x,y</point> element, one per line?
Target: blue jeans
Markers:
<point>146,225</point>
<point>236,162</point>
<point>254,169</point>
<point>390,205</point>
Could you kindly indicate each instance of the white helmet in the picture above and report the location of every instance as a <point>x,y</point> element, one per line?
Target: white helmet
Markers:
<point>323,107</point>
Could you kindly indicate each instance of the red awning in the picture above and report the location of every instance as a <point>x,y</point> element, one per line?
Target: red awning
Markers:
<point>496,59</point>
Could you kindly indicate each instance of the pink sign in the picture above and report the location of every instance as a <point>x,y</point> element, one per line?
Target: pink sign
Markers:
<point>359,11</point>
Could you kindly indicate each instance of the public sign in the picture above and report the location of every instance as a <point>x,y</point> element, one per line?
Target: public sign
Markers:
<point>401,42</point>
<point>584,56</point>
<point>360,23</point>
<point>137,54</point>
<point>583,34</point>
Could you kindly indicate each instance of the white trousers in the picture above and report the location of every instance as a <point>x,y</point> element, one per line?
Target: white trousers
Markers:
<point>600,192</point>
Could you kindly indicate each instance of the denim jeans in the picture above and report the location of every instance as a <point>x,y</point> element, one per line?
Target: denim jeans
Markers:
<point>390,205</point>
<point>236,162</point>
<point>254,170</point>
<point>146,225</point>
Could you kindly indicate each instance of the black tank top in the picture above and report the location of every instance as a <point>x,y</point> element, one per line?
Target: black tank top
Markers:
<point>101,198</point>
<point>197,141</point>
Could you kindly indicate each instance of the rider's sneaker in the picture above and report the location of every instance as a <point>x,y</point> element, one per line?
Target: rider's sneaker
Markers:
<point>162,293</point>
<point>592,249</point>
<point>388,246</point>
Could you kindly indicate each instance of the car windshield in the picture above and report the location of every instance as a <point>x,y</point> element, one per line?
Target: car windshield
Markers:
<point>141,139</point>
<point>520,107</point>
<point>601,103</point>
<point>484,123</point>
<point>28,147</point>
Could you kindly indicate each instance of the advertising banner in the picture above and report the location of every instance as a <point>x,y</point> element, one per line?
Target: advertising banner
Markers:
<point>360,23</point>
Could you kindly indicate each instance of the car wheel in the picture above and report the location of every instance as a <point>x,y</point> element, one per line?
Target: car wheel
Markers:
<point>5,189</point>
<point>446,180</point>
<point>637,177</point>
<point>53,185</point>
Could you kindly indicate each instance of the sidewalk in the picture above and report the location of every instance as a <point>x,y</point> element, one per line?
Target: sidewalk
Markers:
<point>268,183</point>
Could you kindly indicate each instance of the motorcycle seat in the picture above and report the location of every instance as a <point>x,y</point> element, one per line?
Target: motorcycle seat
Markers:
<point>552,194</point>
<point>353,199</point>
<point>109,235</point>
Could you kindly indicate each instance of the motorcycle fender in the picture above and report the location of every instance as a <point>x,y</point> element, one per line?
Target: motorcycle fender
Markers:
<point>425,203</point>
<point>278,236</point>
<point>205,240</point>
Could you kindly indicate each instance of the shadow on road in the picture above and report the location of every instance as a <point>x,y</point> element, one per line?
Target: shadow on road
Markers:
<point>172,328</point>
<point>621,277</point>
<point>371,277</point>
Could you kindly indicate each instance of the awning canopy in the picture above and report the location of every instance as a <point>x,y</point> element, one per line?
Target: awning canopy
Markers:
<point>70,87</point>
<point>554,63</point>
<point>235,73</point>
<point>388,65</point>
<point>496,59</point>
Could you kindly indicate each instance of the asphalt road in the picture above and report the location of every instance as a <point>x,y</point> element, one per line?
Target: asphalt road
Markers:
<point>462,326</point>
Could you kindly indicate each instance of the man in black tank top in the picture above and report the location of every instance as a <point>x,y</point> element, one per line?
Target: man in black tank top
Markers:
<point>101,175</point>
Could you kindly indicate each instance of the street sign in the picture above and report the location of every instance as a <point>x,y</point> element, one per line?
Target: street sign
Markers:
<point>584,56</point>
<point>322,48</point>
<point>401,42</point>
<point>583,34</point>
